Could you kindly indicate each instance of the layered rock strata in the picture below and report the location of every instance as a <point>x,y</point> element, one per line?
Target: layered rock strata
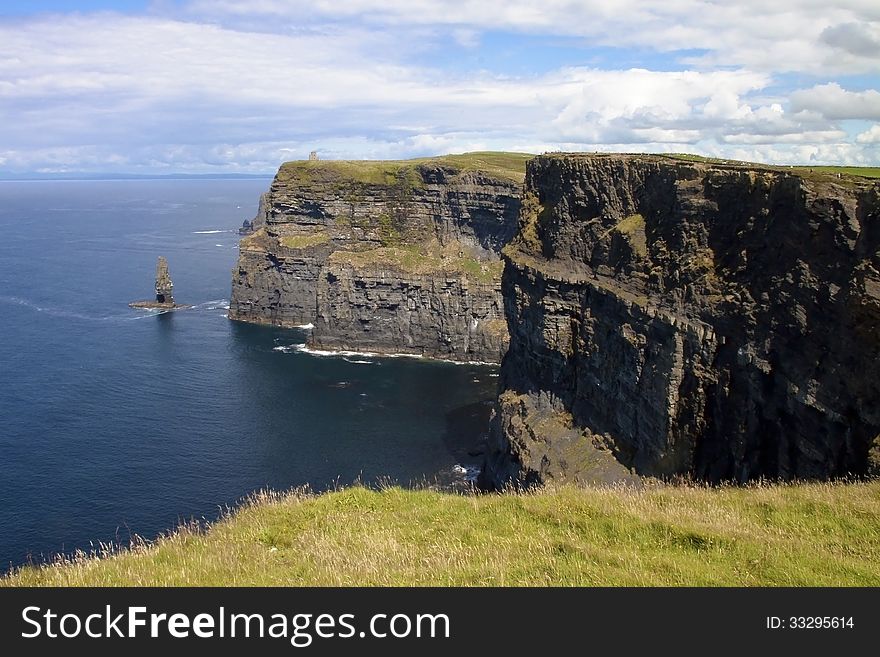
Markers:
<point>713,321</point>
<point>392,257</point>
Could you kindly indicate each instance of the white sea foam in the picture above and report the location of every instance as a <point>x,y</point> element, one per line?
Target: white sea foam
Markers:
<point>359,362</point>
<point>57,311</point>
<point>220,245</point>
<point>213,304</point>
<point>144,313</point>
<point>305,327</point>
<point>481,363</point>
<point>467,472</point>
<point>342,353</point>
<point>210,232</point>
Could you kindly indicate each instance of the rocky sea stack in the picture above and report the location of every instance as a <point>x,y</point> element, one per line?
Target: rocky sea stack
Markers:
<point>689,318</point>
<point>164,290</point>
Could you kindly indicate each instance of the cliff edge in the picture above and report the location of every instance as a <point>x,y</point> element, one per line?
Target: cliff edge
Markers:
<point>689,318</point>
<point>385,256</point>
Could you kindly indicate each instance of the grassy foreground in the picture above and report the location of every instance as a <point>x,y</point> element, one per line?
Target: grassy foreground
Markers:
<point>808,534</point>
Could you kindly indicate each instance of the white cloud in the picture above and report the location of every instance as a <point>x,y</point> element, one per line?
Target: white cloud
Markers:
<point>834,102</point>
<point>786,35</point>
<point>859,39</point>
<point>154,92</point>
<point>869,136</point>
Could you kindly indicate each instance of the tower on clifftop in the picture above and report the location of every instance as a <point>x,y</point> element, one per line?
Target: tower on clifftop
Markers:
<point>313,156</point>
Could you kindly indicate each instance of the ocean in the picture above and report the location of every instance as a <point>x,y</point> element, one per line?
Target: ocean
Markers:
<point>117,422</point>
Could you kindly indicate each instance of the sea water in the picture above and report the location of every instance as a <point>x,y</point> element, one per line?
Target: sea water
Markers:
<point>117,422</point>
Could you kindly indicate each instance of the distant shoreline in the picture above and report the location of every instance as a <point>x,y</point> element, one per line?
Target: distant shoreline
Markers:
<point>114,178</point>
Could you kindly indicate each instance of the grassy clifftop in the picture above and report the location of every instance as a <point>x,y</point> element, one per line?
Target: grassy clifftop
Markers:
<point>506,166</point>
<point>811,534</point>
<point>810,172</point>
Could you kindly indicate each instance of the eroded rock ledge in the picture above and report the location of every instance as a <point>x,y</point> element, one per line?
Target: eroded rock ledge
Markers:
<point>714,321</point>
<point>395,257</point>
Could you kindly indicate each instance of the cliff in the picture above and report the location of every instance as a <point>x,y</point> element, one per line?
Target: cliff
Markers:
<point>385,256</point>
<point>688,318</point>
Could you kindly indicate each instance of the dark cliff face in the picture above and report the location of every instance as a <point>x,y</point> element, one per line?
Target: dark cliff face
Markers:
<point>720,322</point>
<point>385,256</point>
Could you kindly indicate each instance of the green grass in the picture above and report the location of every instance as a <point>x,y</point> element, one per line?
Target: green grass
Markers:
<point>419,259</point>
<point>800,535</point>
<point>530,215</point>
<point>633,229</point>
<point>804,170</point>
<point>865,172</point>
<point>304,241</point>
<point>690,157</point>
<point>506,166</point>
<point>631,224</point>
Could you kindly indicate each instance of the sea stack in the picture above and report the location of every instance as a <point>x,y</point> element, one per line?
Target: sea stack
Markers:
<point>164,291</point>
<point>164,286</point>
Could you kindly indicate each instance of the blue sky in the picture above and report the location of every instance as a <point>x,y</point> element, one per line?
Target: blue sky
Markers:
<point>30,8</point>
<point>201,86</point>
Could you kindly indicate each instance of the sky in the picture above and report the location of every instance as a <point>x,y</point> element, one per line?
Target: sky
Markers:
<point>223,86</point>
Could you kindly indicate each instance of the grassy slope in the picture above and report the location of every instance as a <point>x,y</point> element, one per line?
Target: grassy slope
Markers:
<point>507,166</point>
<point>418,259</point>
<point>813,534</point>
<point>304,241</point>
<point>865,172</point>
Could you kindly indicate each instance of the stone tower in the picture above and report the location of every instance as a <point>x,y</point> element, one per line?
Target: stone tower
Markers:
<point>164,286</point>
<point>313,156</point>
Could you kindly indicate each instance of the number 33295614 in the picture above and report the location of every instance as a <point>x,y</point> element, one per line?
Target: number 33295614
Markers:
<point>810,623</point>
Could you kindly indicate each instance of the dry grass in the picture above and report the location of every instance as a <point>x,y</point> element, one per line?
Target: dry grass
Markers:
<point>305,240</point>
<point>798,535</point>
<point>257,240</point>
<point>506,166</point>
<point>631,224</point>
<point>423,259</point>
<point>847,176</point>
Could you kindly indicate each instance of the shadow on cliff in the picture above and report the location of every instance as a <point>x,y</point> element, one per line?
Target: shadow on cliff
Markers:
<point>466,434</point>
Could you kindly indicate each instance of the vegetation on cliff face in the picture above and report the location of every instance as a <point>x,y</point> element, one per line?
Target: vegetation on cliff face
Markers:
<point>304,240</point>
<point>256,240</point>
<point>632,228</point>
<point>800,535</point>
<point>422,259</point>
<point>530,214</point>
